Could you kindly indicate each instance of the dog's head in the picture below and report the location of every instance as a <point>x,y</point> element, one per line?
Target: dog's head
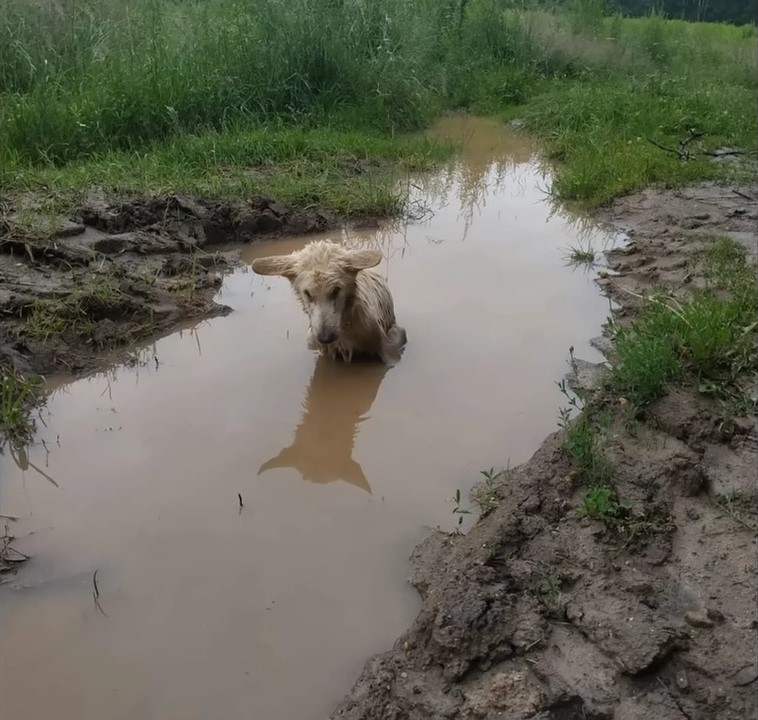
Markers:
<point>323,275</point>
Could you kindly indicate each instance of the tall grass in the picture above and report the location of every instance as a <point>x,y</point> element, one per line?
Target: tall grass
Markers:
<point>81,78</point>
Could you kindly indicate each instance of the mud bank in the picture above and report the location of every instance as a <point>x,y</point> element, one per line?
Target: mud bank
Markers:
<point>116,270</point>
<point>540,612</point>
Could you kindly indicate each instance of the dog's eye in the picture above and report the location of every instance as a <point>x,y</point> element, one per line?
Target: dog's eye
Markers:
<point>334,294</point>
<point>307,295</point>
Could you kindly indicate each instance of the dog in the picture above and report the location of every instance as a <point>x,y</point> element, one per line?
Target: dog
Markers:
<point>349,306</point>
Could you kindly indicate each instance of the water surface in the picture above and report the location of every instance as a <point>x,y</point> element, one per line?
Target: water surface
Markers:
<point>268,611</point>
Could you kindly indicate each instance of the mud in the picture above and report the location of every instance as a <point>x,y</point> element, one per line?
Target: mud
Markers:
<point>116,270</point>
<point>539,612</point>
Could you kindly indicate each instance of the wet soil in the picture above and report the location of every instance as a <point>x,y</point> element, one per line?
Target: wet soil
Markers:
<point>539,612</point>
<point>116,270</point>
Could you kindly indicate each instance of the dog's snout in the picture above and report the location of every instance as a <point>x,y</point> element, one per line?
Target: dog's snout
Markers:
<point>327,337</point>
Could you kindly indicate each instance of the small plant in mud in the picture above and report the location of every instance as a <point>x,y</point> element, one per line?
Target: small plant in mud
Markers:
<point>486,494</point>
<point>546,585</point>
<point>583,440</point>
<point>737,506</point>
<point>601,501</point>
<point>458,509</point>
<point>629,531</point>
<point>18,395</point>
<point>581,255</point>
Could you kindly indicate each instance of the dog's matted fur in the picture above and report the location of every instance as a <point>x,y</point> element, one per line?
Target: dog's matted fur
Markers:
<point>349,305</point>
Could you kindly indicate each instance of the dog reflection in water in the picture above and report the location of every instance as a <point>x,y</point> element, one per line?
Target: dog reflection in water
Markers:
<point>339,397</point>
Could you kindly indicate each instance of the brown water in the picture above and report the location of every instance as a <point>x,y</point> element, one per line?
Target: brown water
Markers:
<point>267,612</point>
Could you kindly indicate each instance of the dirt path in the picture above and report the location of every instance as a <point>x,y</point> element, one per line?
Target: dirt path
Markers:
<point>542,613</point>
<point>117,270</point>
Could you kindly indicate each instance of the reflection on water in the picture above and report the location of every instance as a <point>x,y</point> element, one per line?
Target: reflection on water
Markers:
<point>20,457</point>
<point>337,400</point>
<point>209,604</point>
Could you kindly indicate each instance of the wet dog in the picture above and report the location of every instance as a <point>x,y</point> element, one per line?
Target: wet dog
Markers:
<point>349,305</point>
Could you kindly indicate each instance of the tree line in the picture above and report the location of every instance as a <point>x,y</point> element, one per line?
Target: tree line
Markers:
<point>739,12</point>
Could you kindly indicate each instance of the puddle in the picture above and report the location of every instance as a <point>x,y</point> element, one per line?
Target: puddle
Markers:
<point>268,611</point>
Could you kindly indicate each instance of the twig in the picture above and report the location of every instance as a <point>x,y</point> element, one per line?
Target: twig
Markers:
<point>743,195</point>
<point>724,153</point>
<point>99,606</point>
<point>732,514</point>
<point>96,594</point>
<point>532,644</point>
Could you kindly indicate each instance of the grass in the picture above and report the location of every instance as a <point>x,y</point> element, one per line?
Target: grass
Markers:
<point>77,314</point>
<point>581,255</point>
<point>706,340</point>
<point>342,172</point>
<point>18,394</point>
<point>227,98</point>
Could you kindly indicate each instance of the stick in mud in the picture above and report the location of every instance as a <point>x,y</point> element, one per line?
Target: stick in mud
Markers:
<point>96,593</point>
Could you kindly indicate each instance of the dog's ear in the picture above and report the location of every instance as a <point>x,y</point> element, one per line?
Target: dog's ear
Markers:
<point>275,265</point>
<point>357,260</point>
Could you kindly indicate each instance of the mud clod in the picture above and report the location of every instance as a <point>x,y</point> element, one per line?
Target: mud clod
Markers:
<point>698,619</point>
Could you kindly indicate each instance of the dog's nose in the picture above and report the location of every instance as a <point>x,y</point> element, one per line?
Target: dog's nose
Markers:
<point>326,337</point>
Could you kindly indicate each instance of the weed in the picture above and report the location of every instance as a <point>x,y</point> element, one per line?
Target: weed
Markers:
<point>581,255</point>
<point>486,495</point>
<point>736,505</point>
<point>601,501</point>
<point>458,509</point>
<point>18,396</point>
<point>547,586</point>
<point>583,441</point>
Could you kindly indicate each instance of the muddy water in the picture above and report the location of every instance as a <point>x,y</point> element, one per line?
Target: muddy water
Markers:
<point>267,611</point>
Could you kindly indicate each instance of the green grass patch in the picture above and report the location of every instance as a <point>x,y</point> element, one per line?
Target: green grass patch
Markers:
<point>338,171</point>
<point>708,339</point>
<point>600,131</point>
<point>18,395</point>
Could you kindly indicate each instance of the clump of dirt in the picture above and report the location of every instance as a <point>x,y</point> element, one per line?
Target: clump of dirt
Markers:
<point>115,270</point>
<point>541,611</point>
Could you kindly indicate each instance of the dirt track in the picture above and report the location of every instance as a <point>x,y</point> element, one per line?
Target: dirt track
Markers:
<point>541,613</point>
